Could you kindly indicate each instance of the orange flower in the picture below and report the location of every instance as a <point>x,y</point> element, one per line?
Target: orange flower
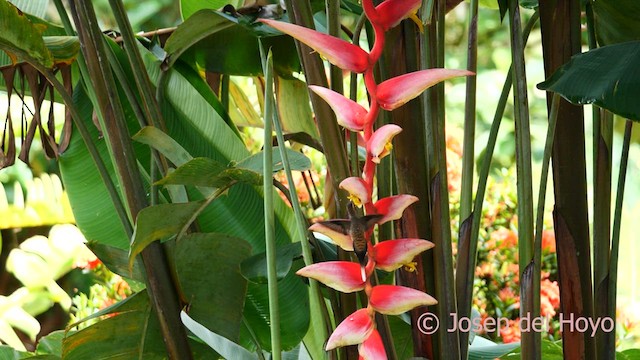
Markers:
<point>549,297</point>
<point>512,332</point>
<point>505,238</point>
<point>549,241</point>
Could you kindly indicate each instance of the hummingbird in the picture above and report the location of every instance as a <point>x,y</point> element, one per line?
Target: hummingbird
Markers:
<point>356,227</point>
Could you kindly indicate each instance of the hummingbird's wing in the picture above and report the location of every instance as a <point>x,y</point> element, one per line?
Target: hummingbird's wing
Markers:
<point>370,220</point>
<point>339,225</point>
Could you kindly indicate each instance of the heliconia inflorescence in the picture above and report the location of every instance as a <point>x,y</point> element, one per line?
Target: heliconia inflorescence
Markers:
<point>359,328</point>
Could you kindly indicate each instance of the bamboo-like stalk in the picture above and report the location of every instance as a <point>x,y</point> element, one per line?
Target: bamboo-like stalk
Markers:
<point>468,158</point>
<point>610,338</point>
<point>159,284</point>
<point>531,341</point>
<point>269,215</point>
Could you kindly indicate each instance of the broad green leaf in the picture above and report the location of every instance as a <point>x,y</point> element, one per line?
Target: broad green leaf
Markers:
<point>160,222</point>
<point>607,76</point>
<point>19,37</point>
<point>254,268</point>
<point>197,27</point>
<point>210,173</point>
<point>223,346</point>
<point>51,344</point>
<point>297,161</point>
<point>189,7</point>
<point>222,44</point>
<point>293,107</point>
<point>34,7</point>
<point>208,268</point>
<point>484,349</point>
<point>92,207</point>
<point>402,340</point>
<point>131,333</point>
<point>616,21</point>
<point>9,353</point>
<point>629,354</point>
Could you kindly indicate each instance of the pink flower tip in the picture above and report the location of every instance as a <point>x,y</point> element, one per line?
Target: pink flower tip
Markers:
<point>349,113</point>
<point>357,189</point>
<point>341,53</point>
<point>390,255</point>
<point>344,276</point>
<point>379,144</point>
<point>355,329</point>
<point>395,300</point>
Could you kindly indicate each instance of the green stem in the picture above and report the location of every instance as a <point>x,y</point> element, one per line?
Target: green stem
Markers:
<point>615,239</point>
<point>530,340</point>
<point>544,174</point>
<point>269,216</point>
<point>466,189</point>
<point>152,110</point>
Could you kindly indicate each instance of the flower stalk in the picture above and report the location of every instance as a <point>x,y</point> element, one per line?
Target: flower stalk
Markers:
<point>355,233</point>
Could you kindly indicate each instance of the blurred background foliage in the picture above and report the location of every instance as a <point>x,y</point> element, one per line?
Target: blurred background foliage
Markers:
<point>32,198</point>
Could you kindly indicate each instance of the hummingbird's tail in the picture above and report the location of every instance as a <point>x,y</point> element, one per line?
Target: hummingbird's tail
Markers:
<point>362,259</point>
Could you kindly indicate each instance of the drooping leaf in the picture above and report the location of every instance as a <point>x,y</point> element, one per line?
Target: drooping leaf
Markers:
<point>210,173</point>
<point>64,49</point>
<point>19,37</point>
<point>255,268</point>
<point>223,346</point>
<point>607,76</point>
<point>297,161</point>
<point>208,268</point>
<point>162,142</point>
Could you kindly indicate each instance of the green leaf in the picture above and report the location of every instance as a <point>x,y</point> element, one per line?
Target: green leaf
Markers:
<point>293,107</point>
<point>607,76</point>
<point>254,268</point>
<point>64,49</point>
<point>616,21</point>
<point>189,7</point>
<point>20,38</point>
<point>484,349</point>
<point>297,161</point>
<point>208,267</point>
<point>34,7</point>
<point>223,346</point>
<point>127,335</point>
<point>51,344</point>
<point>222,44</point>
<point>210,173</point>
<point>91,204</point>
<point>629,354</point>
<point>160,222</point>
<point>197,27</point>
<point>9,353</point>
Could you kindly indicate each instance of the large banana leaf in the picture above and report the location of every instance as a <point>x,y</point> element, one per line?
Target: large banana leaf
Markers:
<point>607,76</point>
<point>19,37</point>
<point>616,21</point>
